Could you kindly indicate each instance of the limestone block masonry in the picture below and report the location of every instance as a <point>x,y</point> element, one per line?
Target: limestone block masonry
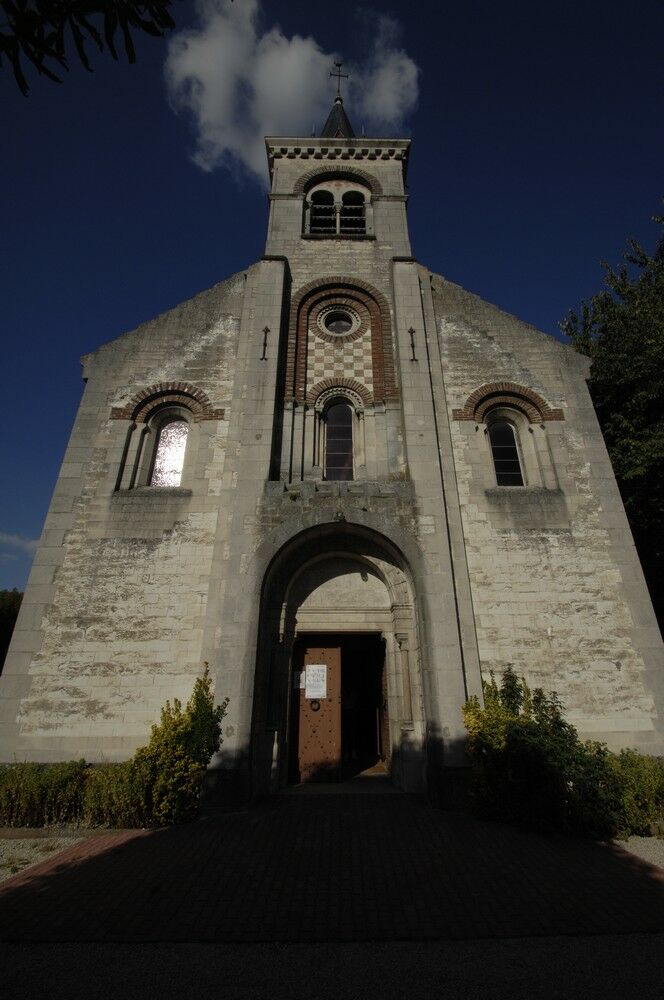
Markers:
<point>260,540</point>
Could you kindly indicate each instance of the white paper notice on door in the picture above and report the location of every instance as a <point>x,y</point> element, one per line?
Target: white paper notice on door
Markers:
<point>315,685</point>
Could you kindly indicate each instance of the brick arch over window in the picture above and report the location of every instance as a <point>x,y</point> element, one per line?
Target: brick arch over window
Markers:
<point>338,383</point>
<point>520,397</point>
<point>337,174</point>
<point>305,300</point>
<point>147,400</point>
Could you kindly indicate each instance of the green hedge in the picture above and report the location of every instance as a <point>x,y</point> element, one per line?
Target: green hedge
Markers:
<point>160,785</point>
<point>529,766</point>
<point>116,795</point>
<point>41,794</point>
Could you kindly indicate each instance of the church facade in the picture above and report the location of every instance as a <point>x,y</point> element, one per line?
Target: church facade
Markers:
<point>351,487</point>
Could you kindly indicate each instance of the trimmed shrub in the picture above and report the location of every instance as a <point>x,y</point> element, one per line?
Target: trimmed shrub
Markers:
<point>41,794</point>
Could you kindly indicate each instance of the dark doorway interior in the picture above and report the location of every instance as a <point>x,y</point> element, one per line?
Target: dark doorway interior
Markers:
<point>361,735</point>
<point>363,708</point>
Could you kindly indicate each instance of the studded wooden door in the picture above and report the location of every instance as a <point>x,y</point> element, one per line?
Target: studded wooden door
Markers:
<point>319,743</point>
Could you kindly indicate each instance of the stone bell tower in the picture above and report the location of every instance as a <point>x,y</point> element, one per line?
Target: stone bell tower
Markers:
<point>338,216</point>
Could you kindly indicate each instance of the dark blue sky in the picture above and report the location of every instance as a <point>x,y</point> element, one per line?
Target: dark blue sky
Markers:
<point>537,149</point>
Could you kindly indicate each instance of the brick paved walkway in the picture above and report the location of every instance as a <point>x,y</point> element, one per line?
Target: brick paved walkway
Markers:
<point>331,868</point>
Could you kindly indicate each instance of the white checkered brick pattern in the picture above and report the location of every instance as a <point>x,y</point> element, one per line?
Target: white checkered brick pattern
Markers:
<point>347,359</point>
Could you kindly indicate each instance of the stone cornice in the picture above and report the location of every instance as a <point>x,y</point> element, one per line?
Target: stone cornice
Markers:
<point>337,150</point>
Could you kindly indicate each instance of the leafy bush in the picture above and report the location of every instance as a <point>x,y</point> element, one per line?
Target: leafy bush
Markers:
<point>641,780</point>
<point>159,785</point>
<point>530,766</point>
<point>172,764</point>
<point>41,794</point>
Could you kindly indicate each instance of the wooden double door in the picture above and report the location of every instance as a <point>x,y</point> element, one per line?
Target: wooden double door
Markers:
<point>339,717</point>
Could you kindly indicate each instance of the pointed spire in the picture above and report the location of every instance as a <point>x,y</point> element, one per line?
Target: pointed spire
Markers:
<point>338,125</point>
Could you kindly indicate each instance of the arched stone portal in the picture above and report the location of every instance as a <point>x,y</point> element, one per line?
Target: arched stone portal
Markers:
<point>343,586</point>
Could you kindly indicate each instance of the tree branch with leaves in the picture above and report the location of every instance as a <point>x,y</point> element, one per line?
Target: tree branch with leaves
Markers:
<point>622,331</point>
<point>43,32</point>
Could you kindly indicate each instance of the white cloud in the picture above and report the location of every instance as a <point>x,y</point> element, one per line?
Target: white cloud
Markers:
<point>387,86</point>
<point>18,542</point>
<point>240,83</point>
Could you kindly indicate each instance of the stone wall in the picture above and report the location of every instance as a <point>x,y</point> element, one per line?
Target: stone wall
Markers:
<point>557,589</point>
<point>113,617</point>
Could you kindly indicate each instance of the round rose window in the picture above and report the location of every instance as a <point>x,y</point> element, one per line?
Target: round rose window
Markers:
<point>338,322</point>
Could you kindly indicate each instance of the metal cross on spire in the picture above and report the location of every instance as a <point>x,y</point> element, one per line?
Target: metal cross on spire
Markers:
<point>339,75</point>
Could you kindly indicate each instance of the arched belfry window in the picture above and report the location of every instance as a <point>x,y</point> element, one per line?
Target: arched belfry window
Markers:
<point>338,208</point>
<point>322,214</point>
<point>505,452</point>
<point>339,441</point>
<point>169,451</point>
<point>352,215</point>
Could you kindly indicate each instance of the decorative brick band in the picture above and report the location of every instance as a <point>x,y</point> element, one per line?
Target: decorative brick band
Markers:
<point>338,383</point>
<point>520,397</point>
<point>144,403</point>
<point>338,289</point>
<point>337,174</point>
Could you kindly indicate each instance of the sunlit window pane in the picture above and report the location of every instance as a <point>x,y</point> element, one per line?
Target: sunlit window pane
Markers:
<point>169,456</point>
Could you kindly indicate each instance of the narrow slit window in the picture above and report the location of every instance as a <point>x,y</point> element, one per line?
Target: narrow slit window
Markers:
<point>352,217</point>
<point>169,454</point>
<point>505,453</point>
<point>339,442</point>
<point>322,217</point>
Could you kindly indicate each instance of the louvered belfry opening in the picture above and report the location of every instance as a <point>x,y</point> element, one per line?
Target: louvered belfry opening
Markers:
<point>352,217</point>
<point>323,217</point>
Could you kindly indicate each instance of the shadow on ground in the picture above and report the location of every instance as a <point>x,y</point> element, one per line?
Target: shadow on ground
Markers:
<point>331,868</point>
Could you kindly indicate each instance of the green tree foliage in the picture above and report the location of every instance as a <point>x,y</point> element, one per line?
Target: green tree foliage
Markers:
<point>42,32</point>
<point>10,603</point>
<point>622,332</point>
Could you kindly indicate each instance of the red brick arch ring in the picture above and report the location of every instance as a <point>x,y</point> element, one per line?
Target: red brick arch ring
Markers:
<point>144,403</point>
<point>328,384</point>
<point>339,173</point>
<point>520,397</point>
<point>342,287</point>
